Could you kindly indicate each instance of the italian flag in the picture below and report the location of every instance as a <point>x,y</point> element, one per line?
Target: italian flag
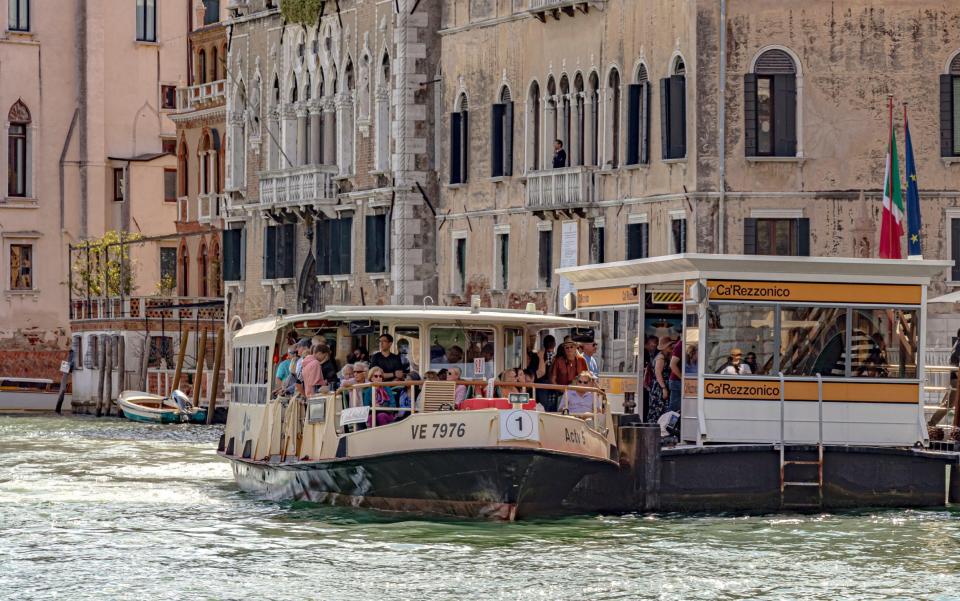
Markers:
<point>891,229</point>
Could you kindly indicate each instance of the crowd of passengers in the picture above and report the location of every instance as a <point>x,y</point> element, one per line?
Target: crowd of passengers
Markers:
<point>309,367</point>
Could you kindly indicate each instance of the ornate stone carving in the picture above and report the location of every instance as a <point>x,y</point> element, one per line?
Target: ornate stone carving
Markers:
<point>19,113</point>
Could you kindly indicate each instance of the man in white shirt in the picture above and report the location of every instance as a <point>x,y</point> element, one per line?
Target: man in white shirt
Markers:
<point>734,365</point>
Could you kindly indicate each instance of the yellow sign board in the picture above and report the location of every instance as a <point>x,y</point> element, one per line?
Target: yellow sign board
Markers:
<point>604,297</point>
<point>846,391</point>
<point>804,292</point>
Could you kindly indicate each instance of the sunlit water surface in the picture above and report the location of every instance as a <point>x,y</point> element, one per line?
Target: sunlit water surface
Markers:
<point>107,509</point>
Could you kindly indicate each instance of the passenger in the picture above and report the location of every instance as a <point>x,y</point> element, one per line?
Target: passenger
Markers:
<point>283,369</point>
<point>387,360</point>
<point>438,354</point>
<point>563,372</point>
<point>313,371</point>
<point>649,356</point>
<point>346,375</point>
<point>734,365</point>
<point>751,362</point>
<point>328,366</point>
<point>660,391</point>
<point>549,349</point>
<point>359,354</point>
<point>442,374</point>
<point>383,397</point>
<point>508,377</point>
<point>295,381</point>
<point>690,365</point>
<point>454,355</point>
<point>675,380</point>
<point>580,401</point>
<point>589,346</point>
<point>461,392</point>
<point>360,396</point>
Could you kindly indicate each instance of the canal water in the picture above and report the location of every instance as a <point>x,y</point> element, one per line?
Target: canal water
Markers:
<point>106,509</point>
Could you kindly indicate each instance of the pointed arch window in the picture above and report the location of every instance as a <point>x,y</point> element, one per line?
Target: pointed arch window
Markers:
<point>613,119</point>
<point>638,119</point>
<point>183,283</point>
<point>770,106</point>
<point>673,113</point>
<point>564,114</point>
<point>382,103</point>
<point>593,121</point>
<point>459,141</point>
<point>501,144</point>
<point>533,127</point>
<point>18,150</point>
<point>202,66</point>
<point>950,109</point>
<point>203,270</point>
<point>183,172</point>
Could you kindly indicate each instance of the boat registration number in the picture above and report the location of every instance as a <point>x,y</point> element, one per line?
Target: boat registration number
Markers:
<point>445,430</point>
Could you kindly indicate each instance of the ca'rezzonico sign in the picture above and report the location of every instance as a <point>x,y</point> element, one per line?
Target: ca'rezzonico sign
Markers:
<point>749,389</point>
<point>805,292</point>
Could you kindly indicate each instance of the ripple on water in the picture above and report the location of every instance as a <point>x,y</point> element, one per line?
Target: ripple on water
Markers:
<point>108,509</point>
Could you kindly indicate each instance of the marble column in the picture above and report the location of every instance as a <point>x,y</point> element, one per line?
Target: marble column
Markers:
<point>302,141</point>
<point>329,134</point>
<point>316,139</point>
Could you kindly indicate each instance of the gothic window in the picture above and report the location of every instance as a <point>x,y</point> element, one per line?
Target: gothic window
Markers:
<point>673,113</point>
<point>613,120</point>
<point>501,129</point>
<point>147,20</point>
<point>564,115</point>
<point>459,141</point>
<point>593,120</point>
<point>770,106</point>
<point>533,127</point>
<point>638,119</point>
<point>202,66</point>
<point>203,270</point>
<point>183,281</point>
<point>334,244</point>
<point>183,173</point>
<point>233,250</point>
<point>950,110</point>
<point>578,147</point>
<point>18,150</point>
<point>278,251</point>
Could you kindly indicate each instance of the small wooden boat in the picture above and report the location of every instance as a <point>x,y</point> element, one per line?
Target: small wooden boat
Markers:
<point>152,408</point>
<point>29,394</point>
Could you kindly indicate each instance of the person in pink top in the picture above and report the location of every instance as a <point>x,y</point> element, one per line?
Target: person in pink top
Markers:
<point>313,370</point>
<point>461,394</point>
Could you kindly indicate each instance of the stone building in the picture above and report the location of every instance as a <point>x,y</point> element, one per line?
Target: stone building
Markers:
<point>330,167</point>
<point>87,89</point>
<point>791,161</point>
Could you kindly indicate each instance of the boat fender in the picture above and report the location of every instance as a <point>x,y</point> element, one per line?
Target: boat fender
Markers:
<point>341,447</point>
<point>229,450</point>
<point>220,443</point>
<point>248,449</point>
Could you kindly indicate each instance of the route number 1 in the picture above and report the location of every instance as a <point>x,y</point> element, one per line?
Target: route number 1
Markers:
<point>519,425</point>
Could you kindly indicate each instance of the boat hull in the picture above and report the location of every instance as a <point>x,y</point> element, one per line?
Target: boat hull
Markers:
<point>16,400</point>
<point>492,483</point>
<point>154,415</point>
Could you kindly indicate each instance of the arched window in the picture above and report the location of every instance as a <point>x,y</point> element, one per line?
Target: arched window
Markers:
<point>638,119</point>
<point>183,172</point>
<point>215,67</point>
<point>593,120</point>
<point>203,271</point>
<point>202,66</point>
<point>294,92</point>
<point>673,126</point>
<point>382,115</point>
<point>345,118</point>
<point>216,268</point>
<point>501,130</point>
<point>459,141</point>
<point>577,146</point>
<point>276,91</point>
<point>950,109</point>
<point>183,287</point>
<point>533,127</point>
<point>564,116</point>
<point>203,153</point>
<point>770,106</point>
<point>613,120</point>
<point>18,150</point>
<point>550,120</point>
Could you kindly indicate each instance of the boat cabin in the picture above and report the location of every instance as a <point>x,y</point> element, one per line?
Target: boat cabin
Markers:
<point>775,349</point>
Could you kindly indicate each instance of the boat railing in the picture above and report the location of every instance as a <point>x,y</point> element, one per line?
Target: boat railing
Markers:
<point>351,396</point>
<point>940,400</point>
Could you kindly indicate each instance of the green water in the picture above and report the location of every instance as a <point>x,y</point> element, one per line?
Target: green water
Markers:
<point>107,509</point>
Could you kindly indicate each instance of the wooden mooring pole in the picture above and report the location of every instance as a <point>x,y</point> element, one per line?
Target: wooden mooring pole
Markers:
<point>101,359</point>
<point>215,385</point>
<point>184,338</point>
<point>108,383</point>
<point>198,373</point>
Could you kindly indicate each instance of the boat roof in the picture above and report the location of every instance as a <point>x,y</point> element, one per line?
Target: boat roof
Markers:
<point>676,268</point>
<point>410,313</point>
<point>26,380</point>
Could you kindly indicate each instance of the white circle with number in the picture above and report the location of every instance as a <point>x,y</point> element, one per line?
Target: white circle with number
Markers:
<point>519,424</point>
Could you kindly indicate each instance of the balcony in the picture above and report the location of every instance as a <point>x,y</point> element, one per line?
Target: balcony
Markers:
<point>152,307</point>
<point>541,9</point>
<point>202,95</point>
<point>560,191</point>
<point>301,190</point>
<point>210,207</point>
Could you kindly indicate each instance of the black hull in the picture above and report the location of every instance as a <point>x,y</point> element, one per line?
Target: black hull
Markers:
<point>498,483</point>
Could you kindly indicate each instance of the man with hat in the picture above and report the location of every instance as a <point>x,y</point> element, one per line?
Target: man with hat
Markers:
<point>734,365</point>
<point>588,346</point>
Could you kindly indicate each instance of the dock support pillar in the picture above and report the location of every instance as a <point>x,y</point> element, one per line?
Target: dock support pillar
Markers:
<point>640,457</point>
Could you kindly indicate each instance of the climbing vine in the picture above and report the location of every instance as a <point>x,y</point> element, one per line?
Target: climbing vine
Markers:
<point>103,267</point>
<point>305,12</point>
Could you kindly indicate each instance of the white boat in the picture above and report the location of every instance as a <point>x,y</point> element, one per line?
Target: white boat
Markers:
<point>152,408</point>
<point>29,394</point>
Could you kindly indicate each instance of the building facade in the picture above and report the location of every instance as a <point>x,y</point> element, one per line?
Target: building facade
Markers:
<point>644,94</point>
<point>331,185</point>
<point>88,88</point>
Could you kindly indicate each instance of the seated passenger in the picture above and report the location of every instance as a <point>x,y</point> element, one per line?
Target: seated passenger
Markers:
<point>283,369</point>
<point>507,378</point>
<point>346,375</point>
<point>751,361</point>
<point>454,354</point>
<point>453,374</point>
<point>383,397</point>
<point>579,401</point>
<point>734,366</point>
<point>360,397</point>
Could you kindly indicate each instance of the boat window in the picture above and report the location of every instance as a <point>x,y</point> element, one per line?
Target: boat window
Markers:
<point>618,334</point>
<point>813,341</point>
<point>250,377</point>
<point>883,343</point>
<point>459,347</point>
<point>513,348</point>
<point>407,340</point>
<point>736,330</point>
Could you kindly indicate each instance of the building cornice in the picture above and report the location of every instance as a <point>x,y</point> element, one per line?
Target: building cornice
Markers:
<point>216,112</point>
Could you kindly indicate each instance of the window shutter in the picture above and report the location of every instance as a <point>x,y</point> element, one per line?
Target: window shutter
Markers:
<point>750,115</point>
<point>496,140</point>
<point>665,117</point>
<point>270,253</point>
<point>508,139</point>
<point>803,237</point>
<point>644,240</point>
<point>785,115</point>
<point>344,249</point>
<point>682,240</point>
<point>455,174</point>
<point>376,241</point>
<point>955,249</point>
<point>232,254</point>
<point>946,116</point>
<point>286,238</point>
<point>634,92</point>
<point>464,147</point>
<point>324,229</point>
<point>678,116</point>
<point>749,236</point>
<point>645,123</point>
<point>633,241</point>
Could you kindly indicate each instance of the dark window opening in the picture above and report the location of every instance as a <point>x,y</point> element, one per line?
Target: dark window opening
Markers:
<point>459,143</point>
<point>460,258</point>
<point>376,244</point>
<point>598,244</point>
<point>678,235</point>
<point>770,106</point>
<point>168,97</point>
<point>21,267</point>
<point>673,117</point>
<point>233,246</point>
<point>212,13</point>
<point>168,269</point>
<point>638,120</point>
<point>334,242</point>
<point>501,143</point>
<point>17,160</point>
<point>118,184</point>
<point>638,241</point>
<point>279,252</point>
<point>503,261</point>
<point>782,237</point>
<point>545,264</point>
<point>170,185</point>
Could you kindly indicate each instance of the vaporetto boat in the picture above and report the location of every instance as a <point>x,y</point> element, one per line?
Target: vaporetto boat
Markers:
<point>490,456</point>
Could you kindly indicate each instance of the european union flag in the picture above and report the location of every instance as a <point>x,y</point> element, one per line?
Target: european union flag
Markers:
<point>913,197</point>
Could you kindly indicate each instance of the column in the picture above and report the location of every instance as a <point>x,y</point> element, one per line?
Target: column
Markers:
<point>549,132</point>
<point>589,133</point>
<point>329,134</point>
<point>316,138</point>
<point>345,133</point>
<point>301,136</point>
<point>576,156</point>
<point>289,141</point>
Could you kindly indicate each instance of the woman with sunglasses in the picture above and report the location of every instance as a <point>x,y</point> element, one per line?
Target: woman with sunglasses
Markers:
<point>382,397</point>
<point>579,401</point>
